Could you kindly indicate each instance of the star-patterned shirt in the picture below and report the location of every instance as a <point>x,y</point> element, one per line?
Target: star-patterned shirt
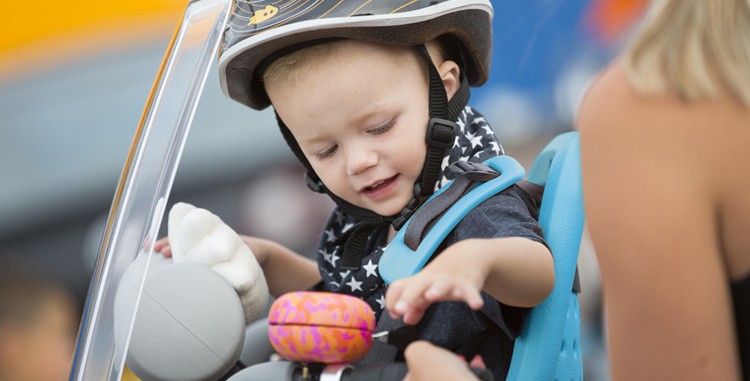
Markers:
<point>511,213</point>
<point>475,141</point>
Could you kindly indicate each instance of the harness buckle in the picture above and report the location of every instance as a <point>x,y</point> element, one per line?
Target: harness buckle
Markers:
<point>441,133</point>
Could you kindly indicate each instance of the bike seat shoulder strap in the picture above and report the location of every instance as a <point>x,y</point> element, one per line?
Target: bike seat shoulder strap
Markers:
<point>411,248</point>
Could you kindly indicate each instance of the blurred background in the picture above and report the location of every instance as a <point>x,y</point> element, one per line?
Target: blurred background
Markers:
<point>75,76</point>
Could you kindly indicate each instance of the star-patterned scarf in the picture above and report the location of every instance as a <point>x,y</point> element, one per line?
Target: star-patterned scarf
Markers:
<point>474,142</point>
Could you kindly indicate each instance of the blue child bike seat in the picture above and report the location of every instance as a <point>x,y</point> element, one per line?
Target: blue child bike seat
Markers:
<point>549,345</point>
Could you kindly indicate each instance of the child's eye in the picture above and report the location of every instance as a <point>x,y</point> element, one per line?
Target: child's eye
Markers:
<point>384,128</point>
<point>328,152</point>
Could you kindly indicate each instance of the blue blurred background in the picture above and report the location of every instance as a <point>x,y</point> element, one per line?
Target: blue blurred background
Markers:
<point>75,77</point>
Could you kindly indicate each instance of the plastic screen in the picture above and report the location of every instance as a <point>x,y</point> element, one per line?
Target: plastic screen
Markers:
<point>140,198</point>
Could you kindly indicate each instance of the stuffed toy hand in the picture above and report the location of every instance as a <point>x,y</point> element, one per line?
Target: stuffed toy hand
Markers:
<point>199,236</point>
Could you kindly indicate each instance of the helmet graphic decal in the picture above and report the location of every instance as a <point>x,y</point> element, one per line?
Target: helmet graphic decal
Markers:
<point>260,16</point>
<point>253,17</point>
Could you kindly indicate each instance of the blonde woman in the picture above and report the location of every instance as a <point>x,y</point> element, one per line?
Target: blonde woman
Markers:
<point>665,147</point>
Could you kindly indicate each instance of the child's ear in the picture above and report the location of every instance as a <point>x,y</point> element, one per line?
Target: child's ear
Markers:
<point>450,73</point>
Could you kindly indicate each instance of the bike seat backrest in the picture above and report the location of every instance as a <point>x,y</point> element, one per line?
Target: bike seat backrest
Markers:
<point>549,346</point>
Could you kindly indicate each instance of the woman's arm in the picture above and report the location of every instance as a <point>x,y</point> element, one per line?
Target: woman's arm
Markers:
<point>653,223</point>
<point>284,269</point>
<point>428,362</point>
<point>516,271</point>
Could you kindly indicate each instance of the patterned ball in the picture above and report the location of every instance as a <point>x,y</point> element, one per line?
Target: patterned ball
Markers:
<point>321,327</point>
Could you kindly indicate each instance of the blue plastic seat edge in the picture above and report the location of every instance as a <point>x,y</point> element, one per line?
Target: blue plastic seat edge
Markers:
<point>540,353</point>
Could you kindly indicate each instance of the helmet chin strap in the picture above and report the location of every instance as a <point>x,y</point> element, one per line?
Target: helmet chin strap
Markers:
<point>441,133</point>
<point>440,136</point>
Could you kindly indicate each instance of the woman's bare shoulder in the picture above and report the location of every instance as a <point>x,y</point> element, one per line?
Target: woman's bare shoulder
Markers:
<point>663,141</point>
<point>611,102</point>
<point>604,96</point>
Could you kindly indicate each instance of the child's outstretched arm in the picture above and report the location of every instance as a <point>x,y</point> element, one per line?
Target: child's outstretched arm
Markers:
<point>516,271</point>
<point>284,269</point>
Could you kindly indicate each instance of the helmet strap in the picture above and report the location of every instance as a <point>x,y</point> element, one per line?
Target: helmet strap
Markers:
<point>441,134</point>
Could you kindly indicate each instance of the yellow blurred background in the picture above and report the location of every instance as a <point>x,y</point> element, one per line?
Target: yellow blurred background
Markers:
<point>37,34</point>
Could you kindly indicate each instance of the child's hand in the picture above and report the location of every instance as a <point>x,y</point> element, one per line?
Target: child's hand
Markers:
<point>162,247</point>
<point>198,236</point>
<point>450,277</point>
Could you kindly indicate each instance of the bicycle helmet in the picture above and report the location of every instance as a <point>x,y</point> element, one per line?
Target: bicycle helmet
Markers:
<point>257,29</point>
<point>261,31</point>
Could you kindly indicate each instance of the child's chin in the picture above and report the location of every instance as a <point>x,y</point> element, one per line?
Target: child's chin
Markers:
<point>387,211</point>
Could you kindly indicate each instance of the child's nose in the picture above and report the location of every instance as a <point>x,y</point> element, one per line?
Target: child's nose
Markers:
<point>359,159</point>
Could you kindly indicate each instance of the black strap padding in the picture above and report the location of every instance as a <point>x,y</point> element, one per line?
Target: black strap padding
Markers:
<point>466,174</point>
<point>433,209</point>
<point>534,190</point>
<point>351,258</point>
<point>355,243</point>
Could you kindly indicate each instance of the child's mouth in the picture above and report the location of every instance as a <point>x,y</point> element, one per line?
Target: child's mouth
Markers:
<point>379,188</point>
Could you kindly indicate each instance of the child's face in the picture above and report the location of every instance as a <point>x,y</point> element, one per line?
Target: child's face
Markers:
<point>360,116</point>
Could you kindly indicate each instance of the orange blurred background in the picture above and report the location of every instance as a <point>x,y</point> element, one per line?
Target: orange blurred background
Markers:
<point>36,34</point>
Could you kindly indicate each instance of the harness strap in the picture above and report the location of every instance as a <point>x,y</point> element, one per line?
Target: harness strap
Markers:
<point>400,261</point>
<point>354,245</point>
<point>414,245</point>
<point>536,192</point>
<point>428,212</point>
<point>441,134</point>
<point>466,174</point>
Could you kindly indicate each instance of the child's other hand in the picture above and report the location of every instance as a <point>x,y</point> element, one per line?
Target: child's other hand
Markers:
<point>429,362</point>
<point>199,236</point>
<point>162,247</point>
<point>445,279</point>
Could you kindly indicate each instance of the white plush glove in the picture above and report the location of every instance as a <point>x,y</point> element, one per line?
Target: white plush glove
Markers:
<point>199,236</point>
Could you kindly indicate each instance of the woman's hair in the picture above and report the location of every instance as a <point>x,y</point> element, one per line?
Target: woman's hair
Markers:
<point>699,49</point>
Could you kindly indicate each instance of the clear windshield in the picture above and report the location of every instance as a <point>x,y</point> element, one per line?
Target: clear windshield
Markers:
<point>140,199</point>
